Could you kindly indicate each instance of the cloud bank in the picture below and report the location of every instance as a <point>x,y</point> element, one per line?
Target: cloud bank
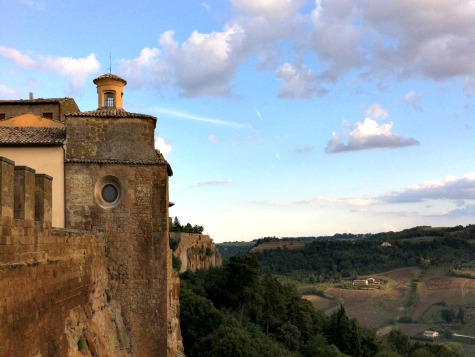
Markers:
<point>295,40</point>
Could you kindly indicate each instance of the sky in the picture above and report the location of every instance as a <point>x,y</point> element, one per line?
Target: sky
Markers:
<point>283,118</point>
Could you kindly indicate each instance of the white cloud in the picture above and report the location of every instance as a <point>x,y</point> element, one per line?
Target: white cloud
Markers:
<point>17,57</point>
<point>413,100</point>
<point>376,111</point>
<point>448,187</point>
<point>353,202</point>
<point>161,145</point>
<point>273,9</point>
<point>138,70</point>
<point>34,4</point>
<point>337,39</point>
<point>368,135</point>
<point>7,92</point>
<point>429,38</point>
<point>212,183</point>
<point>299,82</point>
<point>368,39</point>
<point>205,63</point>
<point>389,228</point>
<point>75,70</point>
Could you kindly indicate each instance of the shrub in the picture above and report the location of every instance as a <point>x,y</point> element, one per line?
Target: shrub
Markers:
<point>405,319</point>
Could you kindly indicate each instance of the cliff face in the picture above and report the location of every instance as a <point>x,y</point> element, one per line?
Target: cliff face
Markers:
<point>57,297</point>
<point>196,251</point>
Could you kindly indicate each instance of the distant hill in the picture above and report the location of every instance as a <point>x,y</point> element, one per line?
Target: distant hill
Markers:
<point>228,249</point>
<point>345,256</point>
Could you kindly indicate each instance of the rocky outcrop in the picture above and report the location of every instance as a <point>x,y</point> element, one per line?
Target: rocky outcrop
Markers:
<point>196,251</point>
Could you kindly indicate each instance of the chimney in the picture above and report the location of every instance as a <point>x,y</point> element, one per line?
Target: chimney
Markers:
<point>30,97</point>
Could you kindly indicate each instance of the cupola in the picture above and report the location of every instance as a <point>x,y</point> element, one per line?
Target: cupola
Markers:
<point>110,89</point>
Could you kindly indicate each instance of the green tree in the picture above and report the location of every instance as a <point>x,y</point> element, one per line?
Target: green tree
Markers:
<point>448,315</point>
<point>342,332</point>
<point>461,315</point>
<point>198,317</point>
<point>243,285</point>
<point>398,341</point>
<point>274,308</point>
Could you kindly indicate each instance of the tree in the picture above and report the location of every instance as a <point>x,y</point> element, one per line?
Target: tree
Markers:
<point>198,317</point>
<point>398,341</point>
<point>461,315</point>
<point>176,226</point>
<point>274,310</point>
<point>448,315</point>
<point>243,286</point>
<point>342,332</point>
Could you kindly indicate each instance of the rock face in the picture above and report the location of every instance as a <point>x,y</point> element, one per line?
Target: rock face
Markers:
<point>196,251</point>
<point>103,285</point>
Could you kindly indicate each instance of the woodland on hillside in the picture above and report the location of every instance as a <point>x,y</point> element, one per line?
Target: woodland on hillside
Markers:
<point>350,256</point>
<point>235,311</point>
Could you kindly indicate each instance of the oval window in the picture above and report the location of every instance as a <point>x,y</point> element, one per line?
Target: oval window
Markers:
<point>110,193</point>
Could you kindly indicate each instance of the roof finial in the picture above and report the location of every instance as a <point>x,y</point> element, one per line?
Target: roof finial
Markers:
<point>110,63</point>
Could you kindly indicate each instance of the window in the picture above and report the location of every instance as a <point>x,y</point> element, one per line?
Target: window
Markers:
<point>48,115</point>
<point>110,193</point>
<point>109,100</point>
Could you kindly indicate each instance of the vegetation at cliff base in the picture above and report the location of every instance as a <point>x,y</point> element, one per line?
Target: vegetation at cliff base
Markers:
<point>235,311</point>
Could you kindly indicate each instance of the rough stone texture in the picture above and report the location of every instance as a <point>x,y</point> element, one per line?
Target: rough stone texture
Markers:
<point>104,285</point>
<point>45,275</point>
<point>194,251</point>
<point>136,233</point>
<point>57,107</point>
<point>103,138</point>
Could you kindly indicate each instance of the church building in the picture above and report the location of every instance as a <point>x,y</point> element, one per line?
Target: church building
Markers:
<point>109,180</point>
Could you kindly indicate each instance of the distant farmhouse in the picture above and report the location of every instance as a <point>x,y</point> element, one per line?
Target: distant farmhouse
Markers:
<point>431,334</point>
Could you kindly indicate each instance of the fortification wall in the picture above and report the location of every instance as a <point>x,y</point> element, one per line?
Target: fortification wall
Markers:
<point>53,282</point>
<point>196,251</point>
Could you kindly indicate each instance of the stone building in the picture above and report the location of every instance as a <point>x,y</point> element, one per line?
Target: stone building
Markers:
<point>109,184</point>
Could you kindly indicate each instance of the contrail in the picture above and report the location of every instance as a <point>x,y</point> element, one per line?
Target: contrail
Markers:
<point>193,117</point>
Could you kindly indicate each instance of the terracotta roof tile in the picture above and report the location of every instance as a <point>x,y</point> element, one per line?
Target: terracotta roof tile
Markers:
<point>111,113</point>
<point>34,101</point>
<point>13,136</point>
<point>110,76</point>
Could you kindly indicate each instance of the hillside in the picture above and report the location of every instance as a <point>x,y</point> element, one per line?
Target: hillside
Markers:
<point>424,278</point>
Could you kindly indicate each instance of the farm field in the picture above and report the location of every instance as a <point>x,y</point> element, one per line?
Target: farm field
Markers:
<point>278,245</point>
<point>381,308</point>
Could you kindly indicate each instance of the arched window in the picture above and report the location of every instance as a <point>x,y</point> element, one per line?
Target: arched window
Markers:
<point>109,99</point>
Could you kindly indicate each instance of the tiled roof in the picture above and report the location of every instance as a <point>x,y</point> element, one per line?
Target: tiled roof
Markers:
<point>25,136</point>
<point>158,160</point>
<point>34,101</point>
<point>110,76</point>
<point>111,113</point>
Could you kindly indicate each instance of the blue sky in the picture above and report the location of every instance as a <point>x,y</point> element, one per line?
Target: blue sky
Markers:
<point>278,117</point>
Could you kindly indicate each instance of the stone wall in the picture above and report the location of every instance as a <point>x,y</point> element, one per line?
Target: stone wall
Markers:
<point>120,138</point>
<point>72,292</point>
<point>196,251</point>
<point>46,274</point>
<point>58,108</point>
<point>136,243</point>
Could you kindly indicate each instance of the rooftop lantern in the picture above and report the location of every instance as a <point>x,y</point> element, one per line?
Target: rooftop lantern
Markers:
<point>110,89</point>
